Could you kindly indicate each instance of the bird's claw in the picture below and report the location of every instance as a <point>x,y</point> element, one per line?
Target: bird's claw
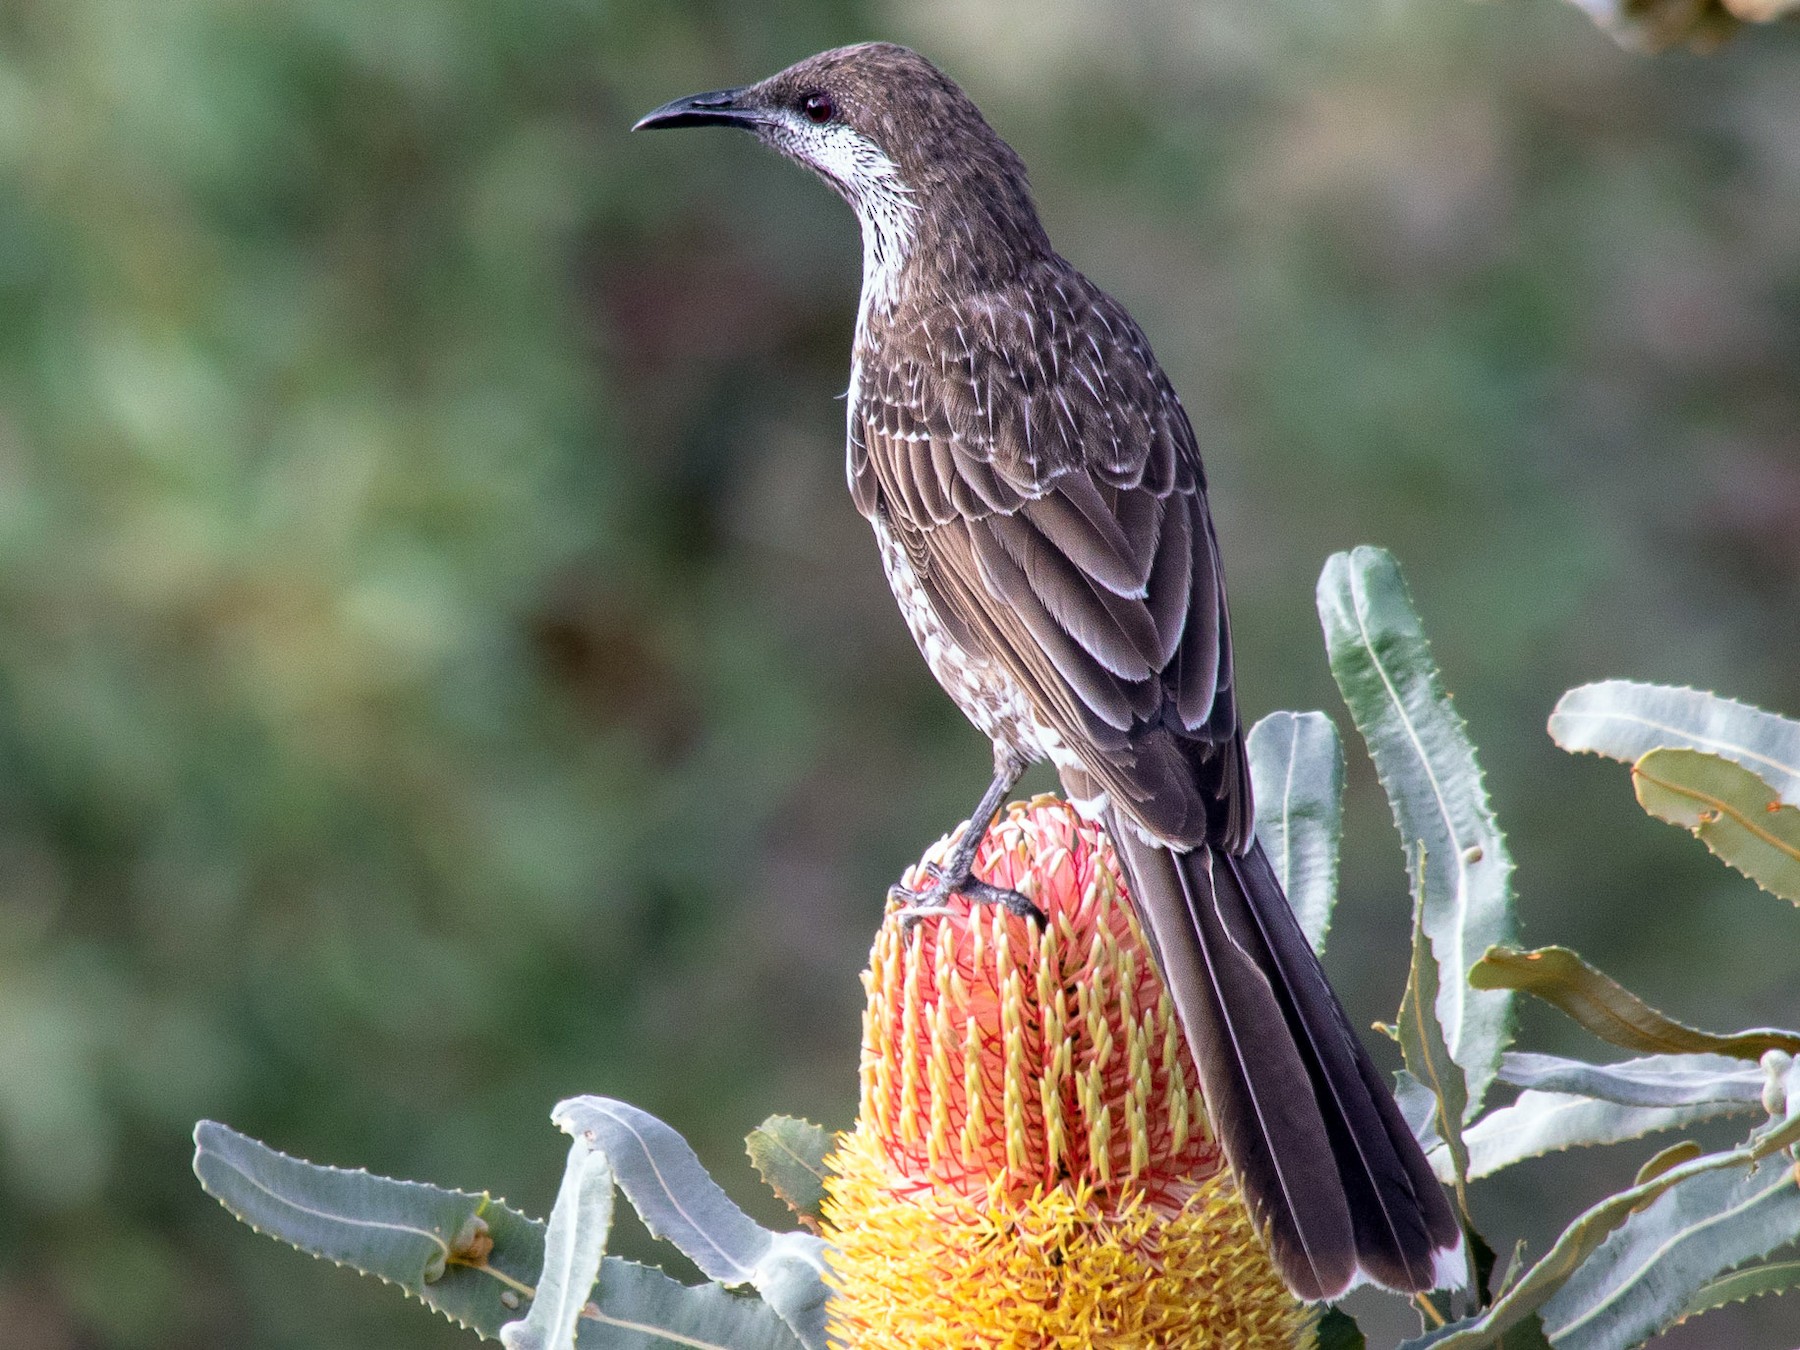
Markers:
<point>931,901</point>
<point>911,916</point>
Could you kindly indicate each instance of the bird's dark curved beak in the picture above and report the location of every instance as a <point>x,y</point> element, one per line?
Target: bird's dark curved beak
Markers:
<point>720,108</point>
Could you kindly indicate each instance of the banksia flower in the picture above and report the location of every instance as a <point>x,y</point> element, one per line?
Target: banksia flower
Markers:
<point>1031,1165</point>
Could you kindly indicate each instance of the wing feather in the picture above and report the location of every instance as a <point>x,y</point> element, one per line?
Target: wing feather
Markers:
<point>1088,530</point>
<point>1070,540</point>
<point>1117,631</point>
<point>1074,660</point>
<point>1171,581</point>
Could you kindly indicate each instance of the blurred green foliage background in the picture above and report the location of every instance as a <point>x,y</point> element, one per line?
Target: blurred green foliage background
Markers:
<point>441,671</point>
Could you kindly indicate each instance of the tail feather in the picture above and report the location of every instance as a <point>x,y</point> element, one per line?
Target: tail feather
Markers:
<point>1331,1172</point>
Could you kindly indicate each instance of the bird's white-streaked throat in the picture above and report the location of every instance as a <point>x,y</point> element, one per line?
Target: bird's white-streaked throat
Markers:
<point>870,181</point>
<point>885,207</point>
<point>886,211</point>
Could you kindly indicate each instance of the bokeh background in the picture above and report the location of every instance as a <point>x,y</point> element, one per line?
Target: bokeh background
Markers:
<point>440,668</point>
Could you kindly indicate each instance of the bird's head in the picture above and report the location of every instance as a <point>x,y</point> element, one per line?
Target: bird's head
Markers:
<point>894,136</point>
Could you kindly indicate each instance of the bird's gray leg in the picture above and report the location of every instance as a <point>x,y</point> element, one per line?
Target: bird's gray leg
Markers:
<point>957,875</point>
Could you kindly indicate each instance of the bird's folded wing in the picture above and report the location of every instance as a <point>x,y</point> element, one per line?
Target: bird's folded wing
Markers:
<point>1089,572</point>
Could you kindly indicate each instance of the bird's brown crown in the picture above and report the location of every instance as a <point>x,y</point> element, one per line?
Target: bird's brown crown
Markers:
<point>963,179</point>
<point>911,110</point>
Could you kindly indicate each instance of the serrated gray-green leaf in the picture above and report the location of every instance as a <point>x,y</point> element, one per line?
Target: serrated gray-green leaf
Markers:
<point>680,1202</point>
<point>1548,1122</point>
<point>1427,1056</point>
<point>1625,720</point>
<point>1297,779</point>
<point>402,1231</point>
<point>1642,1277</point>
<point>1589,1231</point>
<point>1731,810</point>
<point>1383,667</point>
<point>789,1155</point>
<point>674,1195</point>
<point>640,1308</point>
<point>1653,1080</point>
<point>574,1246</point>
<point>427,1240</point>
<point>1767,1277</point>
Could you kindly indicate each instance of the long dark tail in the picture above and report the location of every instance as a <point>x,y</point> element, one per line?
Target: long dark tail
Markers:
<point>1332,1174</point>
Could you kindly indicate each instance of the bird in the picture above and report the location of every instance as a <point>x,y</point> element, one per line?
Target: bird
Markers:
<point>1040,507</point>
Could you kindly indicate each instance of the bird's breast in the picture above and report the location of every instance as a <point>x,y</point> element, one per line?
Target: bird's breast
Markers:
<point>980,686</point>
<point>987,695</point>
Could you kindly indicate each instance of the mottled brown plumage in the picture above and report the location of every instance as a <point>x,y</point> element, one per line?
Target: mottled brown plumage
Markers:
<point>1035,466</point>
<point>1040,505</point>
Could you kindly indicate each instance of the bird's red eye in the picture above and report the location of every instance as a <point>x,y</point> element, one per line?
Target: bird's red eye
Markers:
<point>818,108</point>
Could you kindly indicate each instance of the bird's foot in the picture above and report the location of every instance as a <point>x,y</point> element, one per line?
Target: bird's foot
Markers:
<point>932,900</point>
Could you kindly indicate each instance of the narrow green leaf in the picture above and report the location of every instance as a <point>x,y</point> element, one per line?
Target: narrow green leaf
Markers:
<point>1672,1156</point>
<point>1769,1277</point>
<point>1642,1278</point>
<point>789,1155</point>
<point>1732,811</point>
<point>1549,1122</point>
<point>1297,774</point>
<point>1337,1330</point>
<point>574,1246</point>
<point>462,1254</point>
<point>1422,1043</point>
<point>1654,1080</point>
<point>1624,720</point>
<point>1586,1234</point>
<point>1525,1335</point>
<point>1610,1011</point>
<point>1515,1267</point>
<point>680,1202</point>
<point>1427,766</point>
